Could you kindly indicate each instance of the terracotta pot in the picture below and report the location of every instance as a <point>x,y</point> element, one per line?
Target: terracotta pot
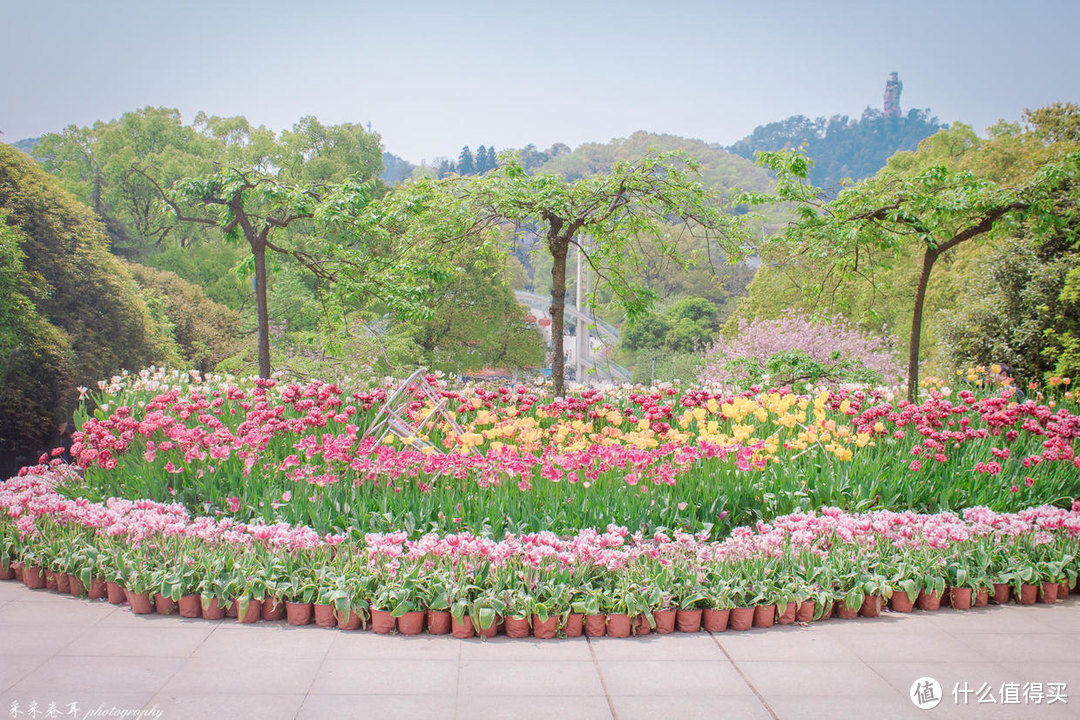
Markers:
<point>665,621</point>
<point>75,586</point>
<point>901,602</point>
<point>491,630</point>
<point>928,601</point>
<point>982,598</point>
<point>63,583</point>
<point>764,615</point>
<point>8,574</point>
<point>212,609</point>
<point>141,603</point>
<point>741,618</point>
<point>595,625</point>
<point>348,621</point>
<point>115,593</point>
<point>298,613</point>
<point>1048,593</point>
<point>574,625</point>
<point>324,615</point>
<point>1063,590</point>
<point>50,580</point>
<point>382,621</point>
<point>517,627</point>
<point>190,606</point>
<point>17,568</point>
<point>1001,593</point>
<point>688,620</point>
<point>641,625</point>
<point>844,612</point>
<point>462,628</point>
<point>787,616</point>
<point>618,625</point>
<point>715,620</point>
<point>545,629</point>
<point>230,611</point>
<point>871,606</point>
<point>164,605</point>
<point>1028,594</point>
<point>960,598</point>
<point>830,608</point>
<point>98,589</point>
<point>438,622</point>
<point>253,614</point>
<point>412,623</point>
<point>272,609</point>
<point>805,611</point>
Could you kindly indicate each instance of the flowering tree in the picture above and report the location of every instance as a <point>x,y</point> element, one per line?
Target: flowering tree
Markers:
<point>836,346</point>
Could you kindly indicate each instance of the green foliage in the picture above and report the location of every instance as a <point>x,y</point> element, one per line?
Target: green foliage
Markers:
<point>685,327</point>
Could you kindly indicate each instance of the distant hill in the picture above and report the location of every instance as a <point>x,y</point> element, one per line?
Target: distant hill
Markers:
<point>26,144</point>
<point>395,169</point>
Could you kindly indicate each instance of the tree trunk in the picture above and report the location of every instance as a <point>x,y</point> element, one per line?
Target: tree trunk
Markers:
<point>558,306</point>
<point>258,250</point>
<point>916,324</point>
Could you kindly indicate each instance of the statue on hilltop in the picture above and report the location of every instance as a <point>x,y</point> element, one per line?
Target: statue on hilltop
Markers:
<point>893,87</point>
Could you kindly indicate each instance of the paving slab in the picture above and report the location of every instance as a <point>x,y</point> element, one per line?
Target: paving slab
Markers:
<point>60,650</point>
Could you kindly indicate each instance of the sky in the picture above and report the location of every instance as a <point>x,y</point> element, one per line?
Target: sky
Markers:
<point>432,76</point>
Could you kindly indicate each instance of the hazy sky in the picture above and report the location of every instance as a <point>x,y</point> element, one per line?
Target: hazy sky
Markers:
<point>433,76</point>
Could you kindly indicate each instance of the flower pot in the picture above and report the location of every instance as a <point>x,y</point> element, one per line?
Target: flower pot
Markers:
<point>190,606</point>
<point>517,627</point>
<point>1028,594</point>
<point>382,621</point>
<point>715,620</point>
<point>688,620</point>
<point>928,601</point>
<point>845,612</point>
<point>348,621</point>
<point>982,598</point>
<point>141,603</point>
<point>741,618</point>
<point>618,625</point>
<point>960,598</point>
<point>272,609</point>
<point>1048,593</point>
<point>574,625</point>
<point>901,602</point>
<point>804,613</point>
<point>1001,593</point>
<point>115,593</point>
<point>75,586</point>
<point>63,583</point>
<point>412,623</point>
<point>462,628</point>
<point>17,568</point>
<point>164,605</point>
<point>871,606</point>
<point>1063,590</point>
<point>50,580</point>
<point>253,613</point>
<point>641,625</point>
<point>98,589</point>
<point>787,615</point>
<point>665,621</point>
<point>324,615</point>
<point>545,629</point>
<point>438,622</point>
<point>764,615</point>
<point>595,625</point>
<point>830,608</point>
<point>212,609</point>
<point>230,611</point>
<point>298,613</point>
<point>9,573</point>
<point>490,631</point>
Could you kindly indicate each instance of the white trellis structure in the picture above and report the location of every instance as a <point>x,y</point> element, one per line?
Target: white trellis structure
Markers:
<point>393,416</point>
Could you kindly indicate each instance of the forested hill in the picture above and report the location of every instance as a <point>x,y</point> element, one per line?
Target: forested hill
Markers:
<point>841,147</point>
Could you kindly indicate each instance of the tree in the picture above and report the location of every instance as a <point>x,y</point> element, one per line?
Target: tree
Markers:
<point>481,160</point>
<point>610,218</point>
<point>465,165</point>
<point>936,209</point>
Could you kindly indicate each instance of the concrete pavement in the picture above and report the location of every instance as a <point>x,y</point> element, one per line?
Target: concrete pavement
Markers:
<point>56,651</point>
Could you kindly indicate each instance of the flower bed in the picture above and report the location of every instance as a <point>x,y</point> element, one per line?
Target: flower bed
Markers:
<point>803,566</point>
<point>690,459</point>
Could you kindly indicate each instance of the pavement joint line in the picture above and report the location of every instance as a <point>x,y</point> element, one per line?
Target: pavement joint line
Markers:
<point>150,703</point>
<point>315,677</point>
<point>457,685</point>
<point>760,697</point>
<point>603,684</point>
